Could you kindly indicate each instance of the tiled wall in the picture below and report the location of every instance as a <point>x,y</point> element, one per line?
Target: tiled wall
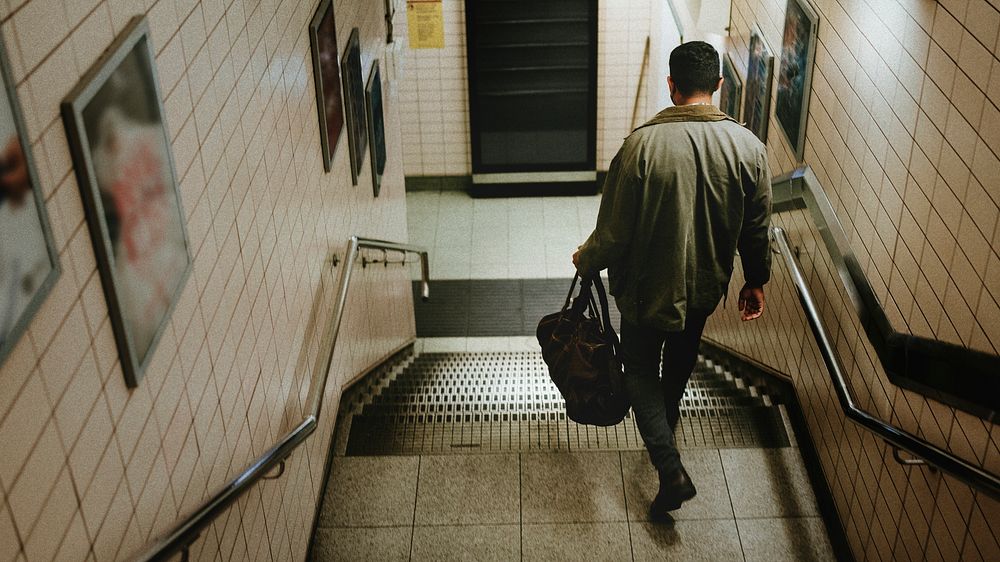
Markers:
<point>903,134</point>
<point>433,93</point>
<point>435,89</point>
<point>93,470</point>
<point>623,26</point>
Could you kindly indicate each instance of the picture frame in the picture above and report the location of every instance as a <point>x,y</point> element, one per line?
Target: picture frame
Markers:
<point>760,76</point>
<point>120,145</point>
<point>29,260</point>
<point>390,14</point>
<point>354,103</point>
<point>731,93</point>
<point>326,76</point>
<point>376,126</point>
<point>798,53</point>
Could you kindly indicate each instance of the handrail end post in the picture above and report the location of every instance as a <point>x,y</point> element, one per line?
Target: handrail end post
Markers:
<point>425,275</point>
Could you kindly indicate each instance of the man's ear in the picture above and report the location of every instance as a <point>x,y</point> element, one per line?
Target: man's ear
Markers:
<point>719,84</point>
<point>670,85</point>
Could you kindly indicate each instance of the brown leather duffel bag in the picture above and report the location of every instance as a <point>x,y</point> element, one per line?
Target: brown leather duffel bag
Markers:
<point>580,347</point>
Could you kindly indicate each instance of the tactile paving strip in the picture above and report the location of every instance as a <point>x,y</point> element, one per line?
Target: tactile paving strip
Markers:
<point>505,401</point>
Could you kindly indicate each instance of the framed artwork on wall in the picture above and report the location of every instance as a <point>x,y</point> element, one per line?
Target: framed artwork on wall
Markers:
<point>760,75</point>
<point>29,262</point>
<point>731,93</point>
<point>326,75</point>
<point>390,13</point>
<point>354,103</point>
<point>121,154</point>
<point>376,126</point>
<point>798,50</point>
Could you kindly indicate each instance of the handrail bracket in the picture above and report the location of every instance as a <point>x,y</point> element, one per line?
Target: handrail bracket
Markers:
<point>897,454</point>
<point>280,472</point>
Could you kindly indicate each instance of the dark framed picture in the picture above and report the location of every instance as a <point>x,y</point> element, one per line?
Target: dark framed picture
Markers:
<point>760,75</point>
<point>376,126</point>
<point>121,154</point>
<point>731,93</point>
<point>29,263</point>
<point>326,75</point>
<point>354,103</point>
<point>390,13</point>
<point>798,50</point>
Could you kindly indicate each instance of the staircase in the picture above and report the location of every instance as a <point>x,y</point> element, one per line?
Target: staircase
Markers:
<point>476,402</point>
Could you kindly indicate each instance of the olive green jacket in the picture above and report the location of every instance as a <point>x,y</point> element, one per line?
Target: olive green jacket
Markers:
<point>686,190</point>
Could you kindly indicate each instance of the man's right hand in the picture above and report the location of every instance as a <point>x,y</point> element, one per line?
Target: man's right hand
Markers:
<point>751,302</point>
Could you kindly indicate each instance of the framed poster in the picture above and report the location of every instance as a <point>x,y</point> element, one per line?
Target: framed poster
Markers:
<point>354,103</point>
<point>121,154</point>
<point>326,75</point>
<point>731,94</point>
<point>760,74</point>
<point>798,50</point>
<point>29,262</point>
<point>390,13</point>
<point>376,126</point>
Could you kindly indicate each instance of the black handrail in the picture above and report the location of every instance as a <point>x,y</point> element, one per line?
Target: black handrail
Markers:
<point>958,376</point>
<point>187,531</point>
<point>961,469</point>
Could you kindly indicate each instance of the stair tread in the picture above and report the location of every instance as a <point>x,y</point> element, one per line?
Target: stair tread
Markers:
<point>435,399</point>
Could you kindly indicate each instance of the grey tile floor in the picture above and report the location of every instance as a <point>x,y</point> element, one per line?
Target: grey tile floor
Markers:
<point>752,504</point>
<point>501,238</point>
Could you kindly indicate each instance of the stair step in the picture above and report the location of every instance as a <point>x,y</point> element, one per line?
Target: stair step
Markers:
<point>488,401</point>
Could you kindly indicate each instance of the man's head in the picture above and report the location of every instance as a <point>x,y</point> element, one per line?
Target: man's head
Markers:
<point>694,70</point>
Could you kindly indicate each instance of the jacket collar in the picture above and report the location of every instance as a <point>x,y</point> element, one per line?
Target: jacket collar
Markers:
<point>697,113</point>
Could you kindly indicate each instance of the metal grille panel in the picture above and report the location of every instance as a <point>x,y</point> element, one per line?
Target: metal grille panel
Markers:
<point>505,401</point>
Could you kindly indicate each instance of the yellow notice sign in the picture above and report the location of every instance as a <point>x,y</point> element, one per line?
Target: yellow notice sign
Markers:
<point>425,23</point>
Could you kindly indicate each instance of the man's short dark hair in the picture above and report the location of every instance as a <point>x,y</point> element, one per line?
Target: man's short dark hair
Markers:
<point>694,68</point>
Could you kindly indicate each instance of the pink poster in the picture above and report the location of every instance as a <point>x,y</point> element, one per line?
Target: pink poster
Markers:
<point>129,189</point>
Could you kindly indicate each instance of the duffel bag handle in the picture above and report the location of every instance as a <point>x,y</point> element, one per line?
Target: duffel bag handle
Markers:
<point>585,298</point>
<point>569,296</point>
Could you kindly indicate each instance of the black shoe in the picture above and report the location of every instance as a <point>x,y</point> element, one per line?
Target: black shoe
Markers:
<point>675,488</point>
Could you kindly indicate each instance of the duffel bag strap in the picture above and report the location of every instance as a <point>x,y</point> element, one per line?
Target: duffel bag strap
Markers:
<point>617,384</point>
<point>605,313</point>
<point>585,298</point>
<point>569,296</point>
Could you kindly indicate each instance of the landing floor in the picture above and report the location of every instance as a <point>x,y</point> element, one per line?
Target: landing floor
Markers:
<point>752,504</point>
<point>502,238</point>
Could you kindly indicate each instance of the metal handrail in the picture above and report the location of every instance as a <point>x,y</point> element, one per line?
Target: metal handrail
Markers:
<point>676,16</point>
<point>952,374</point>
<point>959,468</point>
<point>187,531</point>
<point>641,84</point>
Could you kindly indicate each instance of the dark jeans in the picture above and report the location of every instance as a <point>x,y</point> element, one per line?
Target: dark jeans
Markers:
<point>655,399</point>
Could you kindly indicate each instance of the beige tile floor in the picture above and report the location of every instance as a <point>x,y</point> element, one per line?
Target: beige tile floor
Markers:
<point>568,506</point>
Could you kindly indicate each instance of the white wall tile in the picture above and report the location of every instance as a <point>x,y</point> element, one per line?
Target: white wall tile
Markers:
<point>263,219</point>
<point>943,288</point>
